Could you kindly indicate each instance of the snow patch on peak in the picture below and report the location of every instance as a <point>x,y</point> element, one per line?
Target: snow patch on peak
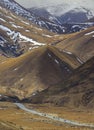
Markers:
<point>56,61</point>
<point>2,20</point>
<point>89,33</point>
<point>67,5</point>
<point>18,36</point>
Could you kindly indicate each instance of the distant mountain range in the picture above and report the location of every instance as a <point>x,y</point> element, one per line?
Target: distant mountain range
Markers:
<point>42,22</point>
<point>75,15</point>
<point>58,19</point>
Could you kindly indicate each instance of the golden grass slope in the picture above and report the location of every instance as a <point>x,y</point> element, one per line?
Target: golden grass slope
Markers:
<point>21,120</point>
<point>80,44</point>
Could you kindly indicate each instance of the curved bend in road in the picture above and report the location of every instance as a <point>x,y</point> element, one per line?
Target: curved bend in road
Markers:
<point>21,106</point>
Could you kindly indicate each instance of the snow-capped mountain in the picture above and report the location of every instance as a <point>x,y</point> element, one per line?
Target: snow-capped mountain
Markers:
<point>42,22</point>
<point>18,35</point>
<point>60,7</point>
<point>68,11</point>
<point>54,18</point>
<point>72,15</point>
<point>43,13</point>
<point>72,21</point>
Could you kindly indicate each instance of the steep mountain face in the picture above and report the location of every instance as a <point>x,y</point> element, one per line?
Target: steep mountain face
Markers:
<point>62,15</point>
<point>33,72</point>
<point>42,22</point>
<point>18,35</point>
<point>47,18</point>
<point>68,15</point>
<point>77,15</point>
<point>52,66</point>
<point>43,13</point>
<point>77,91</point>
<point>72,21</point>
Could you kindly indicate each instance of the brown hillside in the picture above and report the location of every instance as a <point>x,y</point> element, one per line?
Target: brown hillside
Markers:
<point>32,72</point>
<point>79,44</point>
<point>77,91</point>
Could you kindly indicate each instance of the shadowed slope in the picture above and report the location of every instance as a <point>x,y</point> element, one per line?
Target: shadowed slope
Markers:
<point>33,72</point>
<point>77,91</point>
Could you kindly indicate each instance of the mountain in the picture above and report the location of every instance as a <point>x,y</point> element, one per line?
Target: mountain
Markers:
<point>81,10</point>
<point>72,17</point>
<point>42,22</point>
<point>61,55</point>
<point>91,20</point>
<point>34,71</point>
<point>45,73</point>
<point>50,21</point>
<point>77,15</point>
<point>61,14</point>
<point>77,91</point>
<point>46,66</point>
<point>18,35</point>
<point>79,44</point>
<point>43,13</point>
<point>72,21</point>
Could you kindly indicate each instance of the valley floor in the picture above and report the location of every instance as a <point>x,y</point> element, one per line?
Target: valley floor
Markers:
<point>13,118</point>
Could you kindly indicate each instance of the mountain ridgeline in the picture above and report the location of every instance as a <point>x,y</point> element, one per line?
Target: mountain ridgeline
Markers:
<point>76,91</point>
<point>67,22</point>
<point>40,66</point>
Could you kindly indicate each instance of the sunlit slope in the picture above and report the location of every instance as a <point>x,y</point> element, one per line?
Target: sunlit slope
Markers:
<point>79,44</point>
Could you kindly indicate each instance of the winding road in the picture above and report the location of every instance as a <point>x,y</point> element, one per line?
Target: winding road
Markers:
<point>21,106</point>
